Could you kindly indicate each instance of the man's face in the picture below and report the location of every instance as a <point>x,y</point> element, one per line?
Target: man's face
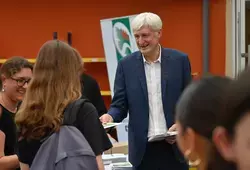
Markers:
<point>147,40</point>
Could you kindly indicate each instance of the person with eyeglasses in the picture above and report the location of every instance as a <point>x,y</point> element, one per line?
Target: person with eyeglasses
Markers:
<point>21,81</point>
<point>15,73</point>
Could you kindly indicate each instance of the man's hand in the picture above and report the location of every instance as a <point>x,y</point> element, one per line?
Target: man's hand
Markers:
<point>173,128</point>
<point>106,118</point>
<point>172,139</point>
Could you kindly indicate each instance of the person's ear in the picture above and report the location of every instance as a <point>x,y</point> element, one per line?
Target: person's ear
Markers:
<point>3,81</point>
<point>159,34</point>
<point>223,144</point>
<point>190,139</point>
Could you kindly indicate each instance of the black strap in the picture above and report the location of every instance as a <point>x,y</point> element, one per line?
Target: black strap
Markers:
<point>70,114</point>
<point>71,111</point>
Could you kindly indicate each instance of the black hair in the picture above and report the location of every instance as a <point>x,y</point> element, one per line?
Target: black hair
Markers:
<point>236,106</point>
<point>199,108</point>
<point>200,103</point>
<point>237,102</point>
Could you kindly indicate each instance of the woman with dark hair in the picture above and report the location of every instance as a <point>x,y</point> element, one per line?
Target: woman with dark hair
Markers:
<point>196,115</point>
<point>16,73</point>
<point>232,137</point>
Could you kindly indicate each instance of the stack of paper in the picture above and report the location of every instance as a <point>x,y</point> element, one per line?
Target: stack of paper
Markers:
<point>109,125</point>
<point>113,158</point>
<point>122,166</point>
<point>163,136</point>
<point>173,133</point>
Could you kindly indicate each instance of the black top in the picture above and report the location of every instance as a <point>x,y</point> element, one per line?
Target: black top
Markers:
<point>87,122</point>
<point>8,126</point>
<point>91,91</point>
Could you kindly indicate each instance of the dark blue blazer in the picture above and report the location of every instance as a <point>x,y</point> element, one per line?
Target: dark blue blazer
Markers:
<point>130,95</point>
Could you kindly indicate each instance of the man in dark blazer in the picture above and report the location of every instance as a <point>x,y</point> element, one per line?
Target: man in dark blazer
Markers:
<point>148,84</point>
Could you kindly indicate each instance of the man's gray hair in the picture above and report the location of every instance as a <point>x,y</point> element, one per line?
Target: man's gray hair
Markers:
<point>148,19</point>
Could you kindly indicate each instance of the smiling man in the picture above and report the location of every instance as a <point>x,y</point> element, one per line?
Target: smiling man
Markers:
<point>148,84</point>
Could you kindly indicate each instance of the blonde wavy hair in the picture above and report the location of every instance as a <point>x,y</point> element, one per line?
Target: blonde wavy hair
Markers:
<point>55,84</point>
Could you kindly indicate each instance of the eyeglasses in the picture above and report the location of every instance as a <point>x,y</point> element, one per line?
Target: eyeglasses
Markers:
<point>20,81</point>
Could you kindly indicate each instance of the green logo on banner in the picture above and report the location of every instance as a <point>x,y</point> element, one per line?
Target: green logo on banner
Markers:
<point>122,37</point>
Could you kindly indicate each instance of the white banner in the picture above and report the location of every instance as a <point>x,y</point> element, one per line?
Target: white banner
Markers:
<point>118,42</point>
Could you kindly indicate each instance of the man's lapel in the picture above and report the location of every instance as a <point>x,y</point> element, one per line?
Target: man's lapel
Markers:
<point>165,66</point>
<point>140,71</point>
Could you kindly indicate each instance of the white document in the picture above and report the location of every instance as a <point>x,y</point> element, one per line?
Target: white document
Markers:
<point>109,125</point>
<point>163,136</point>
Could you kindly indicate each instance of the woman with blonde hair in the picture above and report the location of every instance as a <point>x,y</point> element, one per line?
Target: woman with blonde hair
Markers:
<point>56,84</point>
<point>16,73</point>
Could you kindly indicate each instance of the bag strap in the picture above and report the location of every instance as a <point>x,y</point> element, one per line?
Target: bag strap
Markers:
<point>69,114</point>
<point>71,111</point>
